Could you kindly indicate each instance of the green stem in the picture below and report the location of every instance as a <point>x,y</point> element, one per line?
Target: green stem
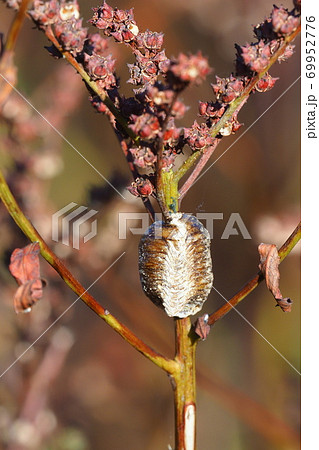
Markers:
<point>185,387</point>
<point>187,164</point>
<point>170,190</point>
<point>31,233</point>
<point>290,243</point>
<point>165,180</point>
<point>183,379</point>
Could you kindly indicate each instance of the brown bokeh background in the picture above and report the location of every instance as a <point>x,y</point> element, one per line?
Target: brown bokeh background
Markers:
<point>97,392</point>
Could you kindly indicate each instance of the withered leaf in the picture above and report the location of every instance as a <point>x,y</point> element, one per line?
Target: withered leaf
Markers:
<point>269,263</point>
<point>269,266</point>
<point>25,267</point>
<point>24,263</point>
<point>202,328</point>
<point>27,294</point>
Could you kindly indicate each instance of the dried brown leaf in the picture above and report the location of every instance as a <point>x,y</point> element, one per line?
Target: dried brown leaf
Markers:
<point>25,267</point>
<point>269,266</point>
<point>269,263</point>
<point>27,294</point>
<point>25,264</point>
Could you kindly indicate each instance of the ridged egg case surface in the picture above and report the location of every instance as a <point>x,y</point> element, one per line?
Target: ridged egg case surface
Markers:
<point>175,264</point>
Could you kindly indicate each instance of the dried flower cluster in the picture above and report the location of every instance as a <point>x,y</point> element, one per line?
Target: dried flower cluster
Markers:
<point>149,115</point>
<point>252,59</point>
<point>152,111</point>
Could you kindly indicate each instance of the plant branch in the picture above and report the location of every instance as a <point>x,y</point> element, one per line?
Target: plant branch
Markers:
<point>244,408</point>
<point>31,233</point>
<point>92,85</point>
<point>162,181</point>
<point>159,181</point>
<point>199,167</point>
<point>187,164</point>
<point>184,378</point>
<point>237,104</point>
<point>185,386</point>
<point>284,251</point>
<point>16,26</point>
<point>7,67</point>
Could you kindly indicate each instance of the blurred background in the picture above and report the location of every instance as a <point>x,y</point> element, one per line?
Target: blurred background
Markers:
<point>80,386</point>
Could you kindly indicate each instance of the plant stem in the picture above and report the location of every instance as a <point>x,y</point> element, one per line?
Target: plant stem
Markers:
<point>16,26</point>
<point>236,104</point>
<point>185,387</point>
<point>187,164</point>
<point>201,164</point>
<point>285,249</point>
<point>31,233</point>
<point>8,70</point>
<point>160,195</point>
<point>170,191</point>
<point>183,378</point>
<point>165,180</point>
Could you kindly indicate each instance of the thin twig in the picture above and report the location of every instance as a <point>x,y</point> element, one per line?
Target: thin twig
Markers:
<point>16,26</point>
<point>7,68</point>
<point>31,233</point>
<point>199,167</point>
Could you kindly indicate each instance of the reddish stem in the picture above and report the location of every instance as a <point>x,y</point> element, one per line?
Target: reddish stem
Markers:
<point>199,167</point>
<point>16,26</point>
<point>31,233</point>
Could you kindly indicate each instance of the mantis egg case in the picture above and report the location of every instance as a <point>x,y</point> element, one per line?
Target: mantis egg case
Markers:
<point>175,264</point>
